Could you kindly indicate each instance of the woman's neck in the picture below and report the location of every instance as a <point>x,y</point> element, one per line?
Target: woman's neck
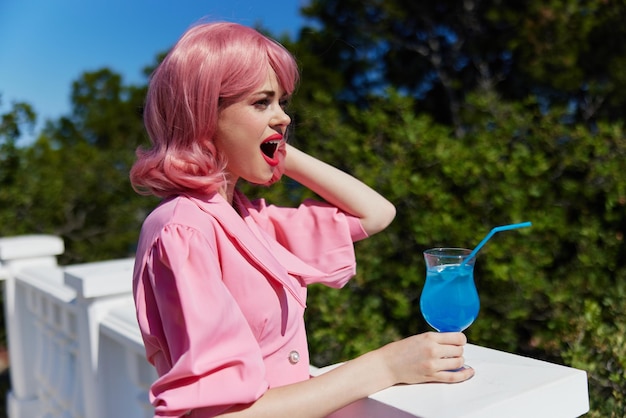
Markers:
<point>228,191</point>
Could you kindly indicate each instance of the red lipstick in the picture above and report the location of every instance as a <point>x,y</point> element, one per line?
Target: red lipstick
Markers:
<point>269,146</point>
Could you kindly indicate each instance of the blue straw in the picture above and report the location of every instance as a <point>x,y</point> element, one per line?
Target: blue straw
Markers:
<point>490,234</point>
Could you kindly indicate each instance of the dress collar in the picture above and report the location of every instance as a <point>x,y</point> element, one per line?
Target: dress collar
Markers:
<point>261,248</point>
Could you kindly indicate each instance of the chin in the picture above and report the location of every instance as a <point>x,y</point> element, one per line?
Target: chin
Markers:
<point>265,181</point>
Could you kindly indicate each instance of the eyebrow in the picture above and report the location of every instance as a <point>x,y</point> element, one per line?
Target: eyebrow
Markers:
<point>270,93</point>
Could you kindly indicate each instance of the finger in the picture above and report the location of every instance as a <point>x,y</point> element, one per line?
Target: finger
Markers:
<point>455,375</point>
<point>456,338</point>
<point>451,351</point>
<point>448,364</point>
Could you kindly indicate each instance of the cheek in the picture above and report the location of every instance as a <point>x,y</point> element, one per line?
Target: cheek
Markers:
<point>240,129</point>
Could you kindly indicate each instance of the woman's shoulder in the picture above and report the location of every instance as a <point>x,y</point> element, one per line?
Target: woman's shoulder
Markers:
<point>181,212</point>
<point>177,209</point>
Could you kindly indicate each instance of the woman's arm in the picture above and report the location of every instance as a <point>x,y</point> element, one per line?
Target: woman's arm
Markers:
<point>340,189</point>
<point>421,358</point>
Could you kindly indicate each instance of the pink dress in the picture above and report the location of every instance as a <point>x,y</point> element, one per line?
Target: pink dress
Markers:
<point>220,297</point>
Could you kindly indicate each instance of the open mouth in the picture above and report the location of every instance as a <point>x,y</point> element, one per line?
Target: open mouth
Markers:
<point>269,148</point>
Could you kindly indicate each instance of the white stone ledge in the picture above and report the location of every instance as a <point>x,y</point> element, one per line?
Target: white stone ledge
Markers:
<point>505,385</point>
<point>101,279</point>
<point>30,246</point>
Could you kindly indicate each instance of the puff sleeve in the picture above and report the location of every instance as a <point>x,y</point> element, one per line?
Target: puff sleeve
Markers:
<point>316,232</point>
<point>194,332</point>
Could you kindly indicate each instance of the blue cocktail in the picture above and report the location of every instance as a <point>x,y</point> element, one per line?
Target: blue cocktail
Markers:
<point>449,300</point>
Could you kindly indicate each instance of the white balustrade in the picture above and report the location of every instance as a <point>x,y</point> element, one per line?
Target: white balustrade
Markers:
<point>21,255</point>
<point>76,352</point>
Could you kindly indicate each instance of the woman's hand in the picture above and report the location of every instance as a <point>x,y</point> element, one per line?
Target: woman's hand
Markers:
<point>340,189</point>
<point>428,357</point>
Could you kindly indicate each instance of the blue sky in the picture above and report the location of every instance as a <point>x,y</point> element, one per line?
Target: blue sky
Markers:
<point>47,44</point>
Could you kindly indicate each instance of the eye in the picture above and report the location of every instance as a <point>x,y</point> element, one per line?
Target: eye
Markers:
<point>262,103</point>
<point>284,103</point>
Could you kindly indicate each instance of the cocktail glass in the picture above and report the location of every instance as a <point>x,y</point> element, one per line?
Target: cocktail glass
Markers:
<point>449,300</point>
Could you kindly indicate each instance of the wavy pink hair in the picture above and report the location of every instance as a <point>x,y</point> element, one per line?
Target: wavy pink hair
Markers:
<point>211,66</point>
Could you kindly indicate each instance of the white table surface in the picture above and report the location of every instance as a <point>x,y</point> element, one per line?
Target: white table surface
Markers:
<point>504,386</point>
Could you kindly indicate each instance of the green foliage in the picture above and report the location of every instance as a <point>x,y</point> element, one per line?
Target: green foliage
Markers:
<point>567,52</point>
<point>13,122</point>
<point>597,344</point>
<point>73,180</point>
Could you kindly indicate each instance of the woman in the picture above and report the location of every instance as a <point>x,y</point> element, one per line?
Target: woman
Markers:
<point>220,281</point>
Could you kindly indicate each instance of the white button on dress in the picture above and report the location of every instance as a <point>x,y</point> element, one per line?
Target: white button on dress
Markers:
<point>294,357</point>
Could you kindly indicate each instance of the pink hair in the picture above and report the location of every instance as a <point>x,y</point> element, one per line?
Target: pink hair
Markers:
<point>211,66</point>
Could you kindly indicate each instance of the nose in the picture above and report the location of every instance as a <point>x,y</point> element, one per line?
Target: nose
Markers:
<point>281,118</point>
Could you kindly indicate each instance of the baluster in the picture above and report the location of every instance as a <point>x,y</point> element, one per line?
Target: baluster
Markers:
<point>57,375</point>
<point>75,394</point>
<point>67,375</point>
<point>46,376</point>
<point>77,406</point>
<point>55,358</point>
<point>40,337</point>
<point>140,373</point>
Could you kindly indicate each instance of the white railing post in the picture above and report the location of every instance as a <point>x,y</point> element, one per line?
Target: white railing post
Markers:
<point>130,379</point>
<point>17,253</point>
<point>99,287</point>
